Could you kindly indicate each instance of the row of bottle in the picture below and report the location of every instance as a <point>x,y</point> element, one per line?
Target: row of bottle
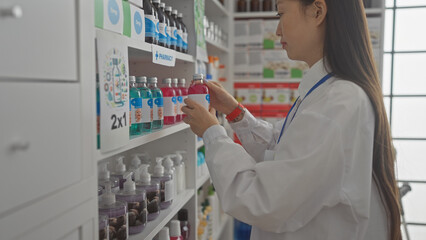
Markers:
<point>208,214</point>
<point>179,229</point>
<point>164,26</point>
<point>151,107</point>
<point>201,163</point>
<point>132,198</point>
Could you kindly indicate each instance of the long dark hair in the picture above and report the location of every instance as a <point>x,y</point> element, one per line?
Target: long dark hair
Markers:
<point>349,53</point>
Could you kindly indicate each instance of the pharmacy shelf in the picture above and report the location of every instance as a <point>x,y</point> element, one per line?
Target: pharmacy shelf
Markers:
<point>268,80</point>
<point>255,15</point>
<point>201,180</point>
<point>199,144</point>
<point>223,222</point>
<point>215,9</point>
<point>141,49</point>
<point>370,11</point>
<point>216,46</point>
<point>153,227</point>
<point>143,139</point>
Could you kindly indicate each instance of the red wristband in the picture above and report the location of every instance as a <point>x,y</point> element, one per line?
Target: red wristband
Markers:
<point>234,114</point>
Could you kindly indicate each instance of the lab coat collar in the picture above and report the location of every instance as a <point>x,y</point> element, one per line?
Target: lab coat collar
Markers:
<point>314,74</point>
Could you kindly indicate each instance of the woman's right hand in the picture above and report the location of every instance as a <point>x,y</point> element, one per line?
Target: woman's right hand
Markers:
<point>220,99</point>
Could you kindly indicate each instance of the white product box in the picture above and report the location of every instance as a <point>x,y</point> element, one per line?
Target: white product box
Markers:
<point>255,68</point>
<point>137,23</point>
<point>241,34</point>
<point>374,28</point>
<point>249,94</point>
<point>270,39</point>
<point>255,40</point>
<point>113,16</point>
<point>276,65</point>
<point>241,64</point>
<point>276,94</point>
<point>138,3</point>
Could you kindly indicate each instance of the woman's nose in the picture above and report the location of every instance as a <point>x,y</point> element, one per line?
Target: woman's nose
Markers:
<point>278,31</point>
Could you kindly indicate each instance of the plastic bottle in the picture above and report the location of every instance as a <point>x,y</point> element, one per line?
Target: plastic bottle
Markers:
<point>198,91</point>
<point>158,107</point>
<point>147,104</point>
<point>173,29</point>
<point>162,24</point>
<point>169,169</point>
<point>116,212</point>
<point>103,227</point>
<point>152,189</point>
<point>184,33</point>
<point>150,21</point>
<point>179,31</point>
<point>179,98</point>
<point>135,163</point>
<point>119,171</point>
<point>104,178</point>
<point>185,227</point>
<point>166,184</point>
<point>184,90</point>
<point>135,109</point>
<point>136,205</point>
<point>180,171</point>
<point>168,29</point>
<point>175,233</point>
<point>164,234</point>
<point>170,102</point>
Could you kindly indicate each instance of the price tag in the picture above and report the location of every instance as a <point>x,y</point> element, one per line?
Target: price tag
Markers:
<point>163,56</point>
<point>113,90</point>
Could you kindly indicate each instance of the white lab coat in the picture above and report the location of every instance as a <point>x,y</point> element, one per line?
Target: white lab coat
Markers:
<point>316,183</point>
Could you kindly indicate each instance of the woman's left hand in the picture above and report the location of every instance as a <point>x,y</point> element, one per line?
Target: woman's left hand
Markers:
<point>198,117</point>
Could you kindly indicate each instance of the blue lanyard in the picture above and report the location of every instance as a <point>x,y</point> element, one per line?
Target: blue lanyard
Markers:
<point>323,80</point>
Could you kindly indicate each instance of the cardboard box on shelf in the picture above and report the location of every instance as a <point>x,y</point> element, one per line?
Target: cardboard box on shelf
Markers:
<point>276,65</point>
<point>270,39</point>
<point>255,40</point>
<point>137,21</point>
<point>109,15</point>
<point>249,94</point>
<point>241,64</point>
<point>255,68</point>
<point>241,34</point>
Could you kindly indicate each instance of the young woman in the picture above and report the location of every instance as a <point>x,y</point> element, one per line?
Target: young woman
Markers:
<point>327,170</point>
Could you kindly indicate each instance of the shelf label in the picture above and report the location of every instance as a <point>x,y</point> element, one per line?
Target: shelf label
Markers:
<point>114,90</point>
<point>163,56</point>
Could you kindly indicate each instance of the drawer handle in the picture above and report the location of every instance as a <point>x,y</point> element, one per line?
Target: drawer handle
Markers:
<point>12,12</point>
<point>19,146</point>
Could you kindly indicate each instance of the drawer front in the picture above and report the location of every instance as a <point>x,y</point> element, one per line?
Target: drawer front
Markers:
<point>42,43</point>
<point>40,148</point>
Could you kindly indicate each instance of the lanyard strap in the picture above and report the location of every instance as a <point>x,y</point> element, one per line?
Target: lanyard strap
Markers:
<point>319,83</point>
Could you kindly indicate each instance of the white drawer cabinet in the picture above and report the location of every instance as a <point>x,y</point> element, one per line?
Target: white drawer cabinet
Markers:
<point>40,134</point>
<point>40,44</point>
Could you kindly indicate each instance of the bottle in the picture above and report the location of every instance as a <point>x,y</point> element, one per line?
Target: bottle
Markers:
<point>184,33</point>
<point>104,178</point>
<point>166,184</point>
<point>267,6</point>
<point>170,102</point>
<point>162,24</point>
<point>185,227</point>
<point>152,189</point>
<point>147,104</point>
<point>169,169</point>
<point>157,95</point>
<point>179,31</point>
<point>173,29</point>
<point>179,99</point>
<point>136,205</point>
<point>116,212</point>
<point>241,6</point>
<point>198,91</point>
<point>180,170</point>
<point>254,5</point>
<point>164,234</point>
<point>103,227</point>
<point>135,163</point>
<point>175,233</point>
<point>149,11</point>
<point>184,91</point>
<point>135,109</point>
<point>119,171</point>
<point>168,28</point>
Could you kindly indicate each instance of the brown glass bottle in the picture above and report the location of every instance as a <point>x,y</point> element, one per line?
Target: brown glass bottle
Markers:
<point>254,6</point>
<point>241,6</point>
<point>267,6</point>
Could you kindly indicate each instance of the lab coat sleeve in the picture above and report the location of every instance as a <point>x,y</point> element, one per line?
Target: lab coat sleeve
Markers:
<point>256,135</point>
<point>285,194</point>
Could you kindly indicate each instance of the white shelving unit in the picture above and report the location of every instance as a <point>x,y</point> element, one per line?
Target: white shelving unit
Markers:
<point>249,15</point>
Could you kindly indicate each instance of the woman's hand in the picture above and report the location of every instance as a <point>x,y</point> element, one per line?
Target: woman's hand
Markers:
<point>198,117</point>
<point>220,99</point>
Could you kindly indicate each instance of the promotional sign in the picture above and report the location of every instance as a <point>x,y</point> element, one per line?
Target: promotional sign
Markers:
<point>163,56</point>
<point>113,15</point>
<point>138,23</point>
<point>113,90</point>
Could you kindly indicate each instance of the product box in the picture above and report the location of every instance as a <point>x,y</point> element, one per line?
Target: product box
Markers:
<point>109,15</point>
<point>255,68</point>
<point>249,94</point>
<point>255,40</point>
<point>374,28</point>
<point>276,65</point>
<point>137,22</point>
<point>137,3</point>
<point>241,64</point>
<point>298,69</point>
<point>241,34</point>
<point>270,39</point>
<point>276,96</point>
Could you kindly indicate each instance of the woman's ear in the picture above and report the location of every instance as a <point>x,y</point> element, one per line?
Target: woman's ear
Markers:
<point>319,11</point>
